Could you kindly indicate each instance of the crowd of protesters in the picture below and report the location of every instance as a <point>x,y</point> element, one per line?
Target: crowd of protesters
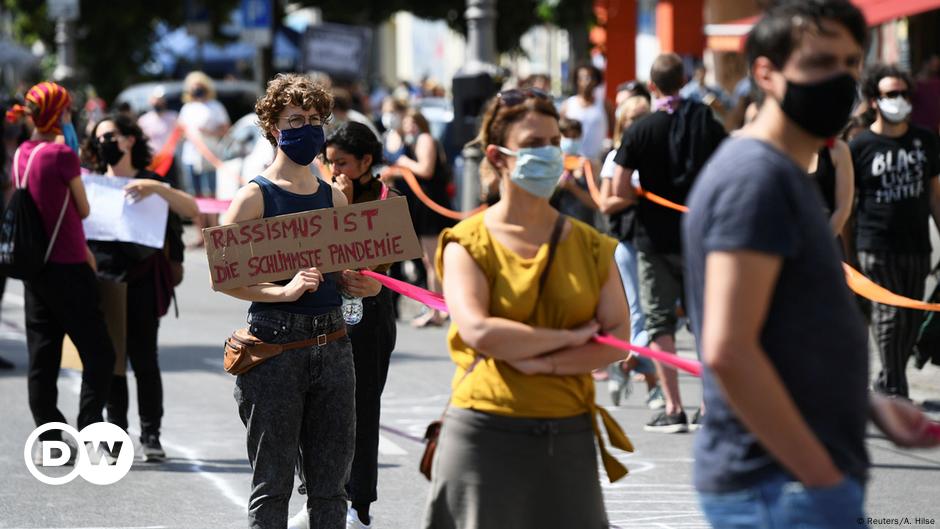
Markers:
<point>783,180</point>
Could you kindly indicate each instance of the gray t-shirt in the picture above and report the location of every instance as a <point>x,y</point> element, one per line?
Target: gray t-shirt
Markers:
<point>752,197</point>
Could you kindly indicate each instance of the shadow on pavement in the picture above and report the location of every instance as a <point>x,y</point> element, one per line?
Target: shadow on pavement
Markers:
<point>179,464</point>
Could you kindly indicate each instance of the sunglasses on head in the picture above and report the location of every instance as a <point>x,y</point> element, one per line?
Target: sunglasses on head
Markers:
<point>516,96</point>
<point>906,94</point>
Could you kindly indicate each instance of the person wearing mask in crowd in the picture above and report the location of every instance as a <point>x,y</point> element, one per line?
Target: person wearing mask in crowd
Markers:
<point>523,393</point>
<point>424,156</point>
<point>353,152</point>
<point>158,125</point>
<point>831,169</point>
<point>119,148</point>
<point>571,196</point>
<point>596,115</point>
<point>925,99</point>
<point>667,149</point>
<point>783,443</point>
<point>301,401</point>
<point>205,121</point>
<point>64,298</point>
<point>343,112</point>
<point>621,223</point>
<point>896,172</point>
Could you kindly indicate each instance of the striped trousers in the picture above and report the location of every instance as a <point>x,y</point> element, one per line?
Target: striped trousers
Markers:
<point>895,329</point>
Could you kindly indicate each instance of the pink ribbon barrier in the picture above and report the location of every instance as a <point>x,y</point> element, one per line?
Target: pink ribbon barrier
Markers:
<point>692,367</point>
<point>212,205</point>
<point>436,301</point>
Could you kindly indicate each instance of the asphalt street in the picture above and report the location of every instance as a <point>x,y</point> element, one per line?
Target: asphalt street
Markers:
<point>205,482</point>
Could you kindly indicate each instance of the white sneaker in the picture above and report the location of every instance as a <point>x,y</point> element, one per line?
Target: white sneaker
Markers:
<point>353,521</point>
<point>299,520</point>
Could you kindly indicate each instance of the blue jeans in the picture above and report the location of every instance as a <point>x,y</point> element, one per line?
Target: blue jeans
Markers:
<point>200,183</point>
<point>780,502</point>
<point>625,256</point>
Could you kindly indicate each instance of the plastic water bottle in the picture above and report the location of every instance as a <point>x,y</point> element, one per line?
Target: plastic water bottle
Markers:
<point>352,309</point>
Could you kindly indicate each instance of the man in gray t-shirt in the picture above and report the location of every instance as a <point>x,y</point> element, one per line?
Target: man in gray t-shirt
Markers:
<point>784,345</point>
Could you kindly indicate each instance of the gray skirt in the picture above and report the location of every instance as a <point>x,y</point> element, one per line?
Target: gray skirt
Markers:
<point>496,472</point>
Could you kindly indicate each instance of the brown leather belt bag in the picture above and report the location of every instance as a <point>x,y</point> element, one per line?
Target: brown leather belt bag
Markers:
<point>244,351</point>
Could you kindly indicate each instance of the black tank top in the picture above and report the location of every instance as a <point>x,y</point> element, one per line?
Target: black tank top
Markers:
<point>278,201</point>
<point>825,177</point>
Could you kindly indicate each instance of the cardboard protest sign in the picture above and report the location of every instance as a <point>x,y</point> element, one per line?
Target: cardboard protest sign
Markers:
<point>275,248</point>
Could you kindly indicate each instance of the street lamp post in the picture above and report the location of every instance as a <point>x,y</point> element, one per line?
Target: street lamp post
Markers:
<point>472,87</point>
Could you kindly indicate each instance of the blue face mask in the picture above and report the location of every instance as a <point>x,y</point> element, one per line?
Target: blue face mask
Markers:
<point>571,146</point>
<point>302,144</point>
<point>537,169</point>
<point>71,138</point>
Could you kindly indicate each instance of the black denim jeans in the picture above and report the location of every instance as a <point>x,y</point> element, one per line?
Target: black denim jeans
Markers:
<point>64,300</point>
<point>301,401</point>
<point>143,325</point>
<point>373,340</point>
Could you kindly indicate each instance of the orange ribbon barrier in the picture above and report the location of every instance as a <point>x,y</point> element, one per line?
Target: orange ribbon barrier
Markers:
<point>870,290</point>
<point>856,280</point>
<point>665,202</point>
<point>163,160</point>
<point>412,182</point>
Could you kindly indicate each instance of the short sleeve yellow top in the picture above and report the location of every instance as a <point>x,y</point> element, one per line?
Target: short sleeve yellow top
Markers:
<point>572,290</point>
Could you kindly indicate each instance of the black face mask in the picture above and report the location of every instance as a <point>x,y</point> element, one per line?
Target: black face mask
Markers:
<point>821,109</point>
<point>110,153</point>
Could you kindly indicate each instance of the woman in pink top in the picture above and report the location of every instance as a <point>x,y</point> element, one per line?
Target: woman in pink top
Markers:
<point>64,298</point>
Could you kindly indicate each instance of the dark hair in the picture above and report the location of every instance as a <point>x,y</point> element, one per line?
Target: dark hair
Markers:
<point>636,87</point>
<point>140,152</point>
<point>780,30</point>
<point>358,140</point>
<point>596,74</point>
<point>342,100</point>
<point>668,73</point>
<point>878,71</point>
<point>570,126</point>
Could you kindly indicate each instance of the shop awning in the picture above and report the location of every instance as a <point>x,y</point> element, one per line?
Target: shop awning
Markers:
<point>730,36</point>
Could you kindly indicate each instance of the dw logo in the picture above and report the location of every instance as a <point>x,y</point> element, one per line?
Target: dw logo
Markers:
<point>104,455</point>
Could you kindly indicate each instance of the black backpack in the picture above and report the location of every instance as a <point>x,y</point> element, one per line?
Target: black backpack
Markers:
<point>24,246</point>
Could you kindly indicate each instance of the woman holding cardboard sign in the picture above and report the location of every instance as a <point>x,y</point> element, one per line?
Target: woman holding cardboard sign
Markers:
<point>301,400</point>
<point>117,147</point>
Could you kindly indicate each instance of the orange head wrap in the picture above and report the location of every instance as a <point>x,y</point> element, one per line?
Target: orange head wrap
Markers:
<point>46,100</point>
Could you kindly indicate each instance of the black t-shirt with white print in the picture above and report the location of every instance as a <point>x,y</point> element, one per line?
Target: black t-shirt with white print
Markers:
<point>892,180</point>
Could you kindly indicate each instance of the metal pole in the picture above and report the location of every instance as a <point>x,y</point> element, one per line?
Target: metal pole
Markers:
<point>481,50</point>
<point>481,31</point>
<point>65,50</point>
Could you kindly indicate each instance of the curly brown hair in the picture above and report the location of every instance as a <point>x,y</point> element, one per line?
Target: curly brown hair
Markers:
<point>291,89</point>
<point>497,118</point>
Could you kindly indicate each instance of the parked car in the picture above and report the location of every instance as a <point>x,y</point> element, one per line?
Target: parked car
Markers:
<point>238,97</point>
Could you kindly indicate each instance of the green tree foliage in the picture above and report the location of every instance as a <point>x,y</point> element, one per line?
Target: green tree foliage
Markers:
<point>113,39</point>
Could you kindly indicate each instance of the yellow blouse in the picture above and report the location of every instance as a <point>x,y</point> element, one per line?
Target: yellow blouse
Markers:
<point>572,290</point>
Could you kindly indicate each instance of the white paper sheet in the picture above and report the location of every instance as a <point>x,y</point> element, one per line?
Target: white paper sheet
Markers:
<point>115,218</point>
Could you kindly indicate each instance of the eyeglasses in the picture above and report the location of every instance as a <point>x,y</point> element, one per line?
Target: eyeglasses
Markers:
<point>297,120</point>
<point>516,96</point>
<point>906,94</point>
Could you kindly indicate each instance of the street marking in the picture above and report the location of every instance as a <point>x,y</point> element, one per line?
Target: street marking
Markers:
<point>14,299</point>
<point>389,448</point>
<point>102,527</point>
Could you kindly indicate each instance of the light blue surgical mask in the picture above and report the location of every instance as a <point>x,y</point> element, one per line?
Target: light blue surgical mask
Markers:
<point>537,168</point>
<point>571,146</point>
